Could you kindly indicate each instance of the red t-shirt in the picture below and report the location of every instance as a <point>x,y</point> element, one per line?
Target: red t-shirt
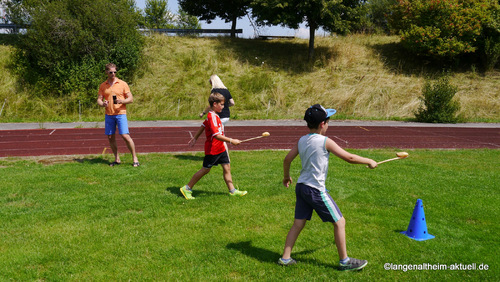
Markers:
<point>213,127</point>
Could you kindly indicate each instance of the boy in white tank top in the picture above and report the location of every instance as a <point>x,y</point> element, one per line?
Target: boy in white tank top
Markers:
<point>314,150</point>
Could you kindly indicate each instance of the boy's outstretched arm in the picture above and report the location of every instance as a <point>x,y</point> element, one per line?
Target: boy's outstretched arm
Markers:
<point>335,149</point>
<point>227,139</point>
<point>196,136</point>
<point>286,165</point>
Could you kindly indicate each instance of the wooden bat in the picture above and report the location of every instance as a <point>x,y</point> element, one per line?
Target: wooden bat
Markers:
<point>400,155</point>
<point>264,134</point>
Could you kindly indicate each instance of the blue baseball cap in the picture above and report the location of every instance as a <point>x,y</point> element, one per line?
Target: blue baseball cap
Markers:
<point>317,113</point>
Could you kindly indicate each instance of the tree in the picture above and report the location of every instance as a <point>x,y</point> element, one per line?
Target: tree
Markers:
<point>445,29</point>
<point>208,10</point>
<point>68,42</point>
<point>18,11</point>
<point>489,41</point>
<point>378,10</point>
<point>338,16</point>
<point>186,21</point>
<point>157,14</point>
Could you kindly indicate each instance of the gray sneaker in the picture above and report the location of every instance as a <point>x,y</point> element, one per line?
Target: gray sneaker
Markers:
<point>353,264</point>
<point>290,262</point>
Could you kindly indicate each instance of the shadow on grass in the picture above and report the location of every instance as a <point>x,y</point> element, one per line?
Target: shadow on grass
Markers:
<point>52,160</point>
<point>189,158</point>
<point>257,253</point>
<point>400,61</point>
<point>9,39</point>
<point>196,193</point>
<point>92,161</point>
<point>268,256</point>
<point>286,55</point>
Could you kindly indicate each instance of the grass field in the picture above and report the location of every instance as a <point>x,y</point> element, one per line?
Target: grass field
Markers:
<point>81,220</point>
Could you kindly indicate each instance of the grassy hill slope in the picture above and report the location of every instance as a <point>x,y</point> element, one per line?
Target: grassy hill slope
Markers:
<point>362,76</point>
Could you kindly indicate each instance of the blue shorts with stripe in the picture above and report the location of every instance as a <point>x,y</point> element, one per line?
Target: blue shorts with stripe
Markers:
<point>309,199</point>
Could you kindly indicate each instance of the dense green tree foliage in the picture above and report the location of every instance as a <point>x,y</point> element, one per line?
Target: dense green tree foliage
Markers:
<point>377,13</point>
<point>18,11</point>
<point>448,28</point>
<point>187,21</point>
<point>68,42</point>
<point>338,16</point>
<point>157,14</point>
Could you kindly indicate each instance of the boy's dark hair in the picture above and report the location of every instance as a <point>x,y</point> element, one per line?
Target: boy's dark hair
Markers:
<point>316,114</point>
<point>315,125</point>
<point>215,98</point>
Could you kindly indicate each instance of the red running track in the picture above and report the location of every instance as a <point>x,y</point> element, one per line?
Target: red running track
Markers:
<point>38,142</point>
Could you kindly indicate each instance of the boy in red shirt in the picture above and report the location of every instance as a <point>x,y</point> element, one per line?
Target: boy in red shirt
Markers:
<point>215,149</point>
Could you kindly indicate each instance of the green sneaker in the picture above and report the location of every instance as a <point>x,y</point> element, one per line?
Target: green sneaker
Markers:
<point>188,194</point>
<point>353,264</point>
<point>238,193</point>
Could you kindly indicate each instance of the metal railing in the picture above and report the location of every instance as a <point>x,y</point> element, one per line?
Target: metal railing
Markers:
<point>15,28</point>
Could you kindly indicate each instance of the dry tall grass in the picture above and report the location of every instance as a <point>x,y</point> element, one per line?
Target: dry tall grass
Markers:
<point>362,76</point>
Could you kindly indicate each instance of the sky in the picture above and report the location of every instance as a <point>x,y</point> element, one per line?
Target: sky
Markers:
<point>243,23</point>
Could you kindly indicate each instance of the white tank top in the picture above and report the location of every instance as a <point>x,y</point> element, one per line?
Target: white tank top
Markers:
<point>314,158</point>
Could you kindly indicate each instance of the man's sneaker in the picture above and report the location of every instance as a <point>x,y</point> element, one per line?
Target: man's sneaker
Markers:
<point>353,264</point>
<point>238,193</point>
<point>290,261</point>
<point>188,194</point>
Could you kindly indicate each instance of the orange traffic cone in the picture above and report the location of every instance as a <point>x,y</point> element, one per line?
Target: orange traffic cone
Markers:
<point>417,229</point>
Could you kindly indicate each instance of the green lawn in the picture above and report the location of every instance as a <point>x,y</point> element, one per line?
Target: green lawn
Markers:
<point>82,220</point>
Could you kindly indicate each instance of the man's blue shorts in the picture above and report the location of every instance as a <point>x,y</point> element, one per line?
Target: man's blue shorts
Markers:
<point>111,122</point>
<point>309,199</point>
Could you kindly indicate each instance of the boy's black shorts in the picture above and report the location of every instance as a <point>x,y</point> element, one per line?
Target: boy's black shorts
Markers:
<point>213,160</point>
<point>309,199</point>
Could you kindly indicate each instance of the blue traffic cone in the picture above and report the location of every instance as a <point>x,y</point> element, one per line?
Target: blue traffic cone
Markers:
<point>417,229</point>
